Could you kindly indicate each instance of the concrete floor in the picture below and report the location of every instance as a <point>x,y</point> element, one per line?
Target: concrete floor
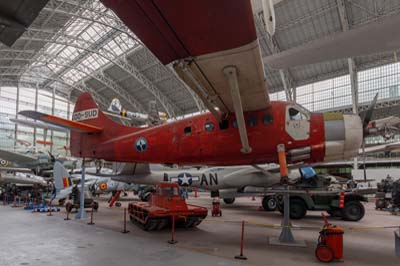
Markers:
<point>37,239</point>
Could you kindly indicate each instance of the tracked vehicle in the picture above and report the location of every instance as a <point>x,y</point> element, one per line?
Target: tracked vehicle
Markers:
<point>166,204</point>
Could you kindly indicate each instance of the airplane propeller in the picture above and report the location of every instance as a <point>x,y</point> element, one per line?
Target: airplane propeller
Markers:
<point>367,117</point>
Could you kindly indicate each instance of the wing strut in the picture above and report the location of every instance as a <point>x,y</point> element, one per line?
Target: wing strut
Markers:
<point>231,76</point>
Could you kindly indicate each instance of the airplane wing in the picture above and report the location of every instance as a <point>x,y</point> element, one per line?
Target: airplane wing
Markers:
<point>381,148</point>
<point>61,122</point>
<point>203,39</point>
<point>17,157</point>
<point>15,169</point>
<point>38,125</point>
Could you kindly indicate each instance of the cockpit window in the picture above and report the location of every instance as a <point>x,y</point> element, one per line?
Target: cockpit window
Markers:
<point>295,114</point>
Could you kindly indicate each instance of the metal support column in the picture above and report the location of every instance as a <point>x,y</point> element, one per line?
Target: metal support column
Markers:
<point>36,107</point>
<point>53,103</point>
<point>286,237</point>
<point>82,213</point>
<point>16,116</point>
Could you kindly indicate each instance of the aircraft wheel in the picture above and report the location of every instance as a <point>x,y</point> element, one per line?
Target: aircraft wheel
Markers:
<point>229,200</point>
<point>269,203</point>
<point>118,204</point>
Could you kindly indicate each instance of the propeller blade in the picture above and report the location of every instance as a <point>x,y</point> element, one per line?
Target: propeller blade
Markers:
<point>368,114</point>
<point>378,36</point>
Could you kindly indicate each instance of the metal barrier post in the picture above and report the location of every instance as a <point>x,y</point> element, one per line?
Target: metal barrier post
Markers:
<point>67,218</point>
<point>241,256</point>
<point>91,216</point>
<point>124,231</point>
<point>172,240</point>
<point>50,207</point>
<point>397,242</point>
<point>34,205</point>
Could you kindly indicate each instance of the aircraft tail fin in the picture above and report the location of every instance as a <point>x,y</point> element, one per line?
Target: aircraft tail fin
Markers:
<point>62,179</point>
<point>90,128</point>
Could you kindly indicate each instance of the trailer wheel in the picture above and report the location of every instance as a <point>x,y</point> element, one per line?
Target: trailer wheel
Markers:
<point>353,211</point>
<point>324,253</point>
<point>229,200</point>
<point>269,203</point>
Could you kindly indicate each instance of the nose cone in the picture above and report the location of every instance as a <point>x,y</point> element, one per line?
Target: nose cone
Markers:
<point>343,136</point>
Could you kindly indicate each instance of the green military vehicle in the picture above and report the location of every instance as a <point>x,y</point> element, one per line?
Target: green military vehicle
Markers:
<point>312,194</point>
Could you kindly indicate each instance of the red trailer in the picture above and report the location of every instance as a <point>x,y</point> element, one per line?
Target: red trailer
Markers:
<point>164,204</point>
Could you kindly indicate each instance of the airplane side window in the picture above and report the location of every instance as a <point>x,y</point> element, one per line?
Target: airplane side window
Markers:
<point>224,124</point>
<point>295,114</point>
<point>268,119</point>
<point>188,131</point>
<point>209,126</point>
<point>252,121</point>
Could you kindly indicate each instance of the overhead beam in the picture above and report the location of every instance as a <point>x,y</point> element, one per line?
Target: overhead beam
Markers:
<point>74,41</point>
<point>341,5</point>
<point>287,79</point>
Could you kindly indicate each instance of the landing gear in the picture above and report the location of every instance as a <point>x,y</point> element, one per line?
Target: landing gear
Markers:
<point>269,203</point>
<point>229,200</point>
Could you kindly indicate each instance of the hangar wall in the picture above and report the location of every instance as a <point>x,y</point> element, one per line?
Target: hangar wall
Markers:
<point>336,92</point>
<point>15,99</point>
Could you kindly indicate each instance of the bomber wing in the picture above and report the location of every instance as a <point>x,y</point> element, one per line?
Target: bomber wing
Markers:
<point>16,157</point>
<point>202,39</point>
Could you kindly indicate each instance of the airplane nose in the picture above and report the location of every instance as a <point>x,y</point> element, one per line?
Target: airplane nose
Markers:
<point>343,136</point>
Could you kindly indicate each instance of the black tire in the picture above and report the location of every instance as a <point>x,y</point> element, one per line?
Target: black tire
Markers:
<point>95,205</point>
<point>380,204</point>
<point>118,204</point>
<point>298,209</point>
<point>229,200</point>
<point>269,203</point>
<point>353,211</point>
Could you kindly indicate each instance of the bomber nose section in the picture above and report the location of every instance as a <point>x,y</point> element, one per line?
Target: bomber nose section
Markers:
<point>343,136</point>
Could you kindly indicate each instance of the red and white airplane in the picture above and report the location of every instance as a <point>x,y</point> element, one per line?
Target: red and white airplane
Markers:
<point>213,47</point>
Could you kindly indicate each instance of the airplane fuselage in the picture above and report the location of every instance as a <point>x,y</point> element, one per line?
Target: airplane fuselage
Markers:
<point>202,140</point>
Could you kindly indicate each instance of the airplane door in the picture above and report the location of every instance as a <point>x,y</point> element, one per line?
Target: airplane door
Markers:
<point>297,122</point>
<point>189,142</point>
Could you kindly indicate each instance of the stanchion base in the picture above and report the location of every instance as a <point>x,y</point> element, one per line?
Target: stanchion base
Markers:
<point>125,231</point>
<point>275,241</point>
<point>91,223</point>
<point>172,241</point>
<point>67,219</point>
<point>49,214</point>
<point>240,257</point>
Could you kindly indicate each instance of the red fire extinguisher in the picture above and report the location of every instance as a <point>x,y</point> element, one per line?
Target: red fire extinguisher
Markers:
<point>330,243</point>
